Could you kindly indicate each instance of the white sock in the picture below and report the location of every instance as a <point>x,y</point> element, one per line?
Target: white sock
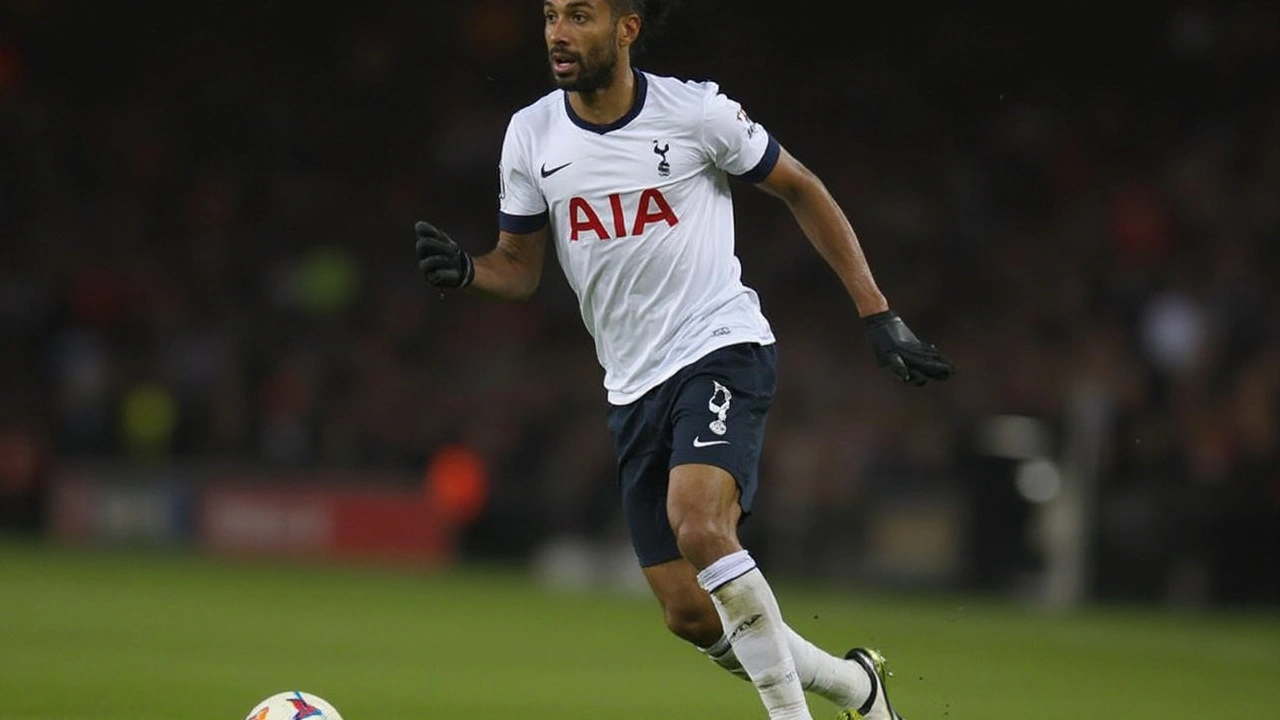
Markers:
<point>721,653</point>
<point>751,618</point>
<point>843,682</point>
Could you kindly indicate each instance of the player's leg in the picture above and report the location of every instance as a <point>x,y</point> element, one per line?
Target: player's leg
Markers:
<point>718,421</point>
<point>642,433</point>
<point>691,615</point>
<point>650,469</point>
<point>702,506</point>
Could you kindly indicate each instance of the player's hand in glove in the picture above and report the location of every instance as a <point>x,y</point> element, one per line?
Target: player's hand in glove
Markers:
<point>441,261</point>
<point>899,351</point>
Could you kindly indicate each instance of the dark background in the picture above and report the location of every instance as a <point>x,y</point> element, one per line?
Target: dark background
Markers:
<point>206,256</point>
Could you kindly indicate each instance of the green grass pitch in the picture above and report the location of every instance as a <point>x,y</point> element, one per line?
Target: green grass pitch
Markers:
<point>141,636</point>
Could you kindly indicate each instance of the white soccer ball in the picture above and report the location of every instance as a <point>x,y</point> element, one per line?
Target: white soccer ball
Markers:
<point>293,705</point>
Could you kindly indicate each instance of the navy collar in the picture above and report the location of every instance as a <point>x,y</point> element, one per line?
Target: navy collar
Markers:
<point>642,90</point>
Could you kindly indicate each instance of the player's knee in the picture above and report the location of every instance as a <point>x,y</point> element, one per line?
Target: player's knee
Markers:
<point>704,541</point>
<point>696,623</point>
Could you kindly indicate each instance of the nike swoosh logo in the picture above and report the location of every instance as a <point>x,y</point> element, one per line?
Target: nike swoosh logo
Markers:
<point>548,173</point>
<point>699,442</point>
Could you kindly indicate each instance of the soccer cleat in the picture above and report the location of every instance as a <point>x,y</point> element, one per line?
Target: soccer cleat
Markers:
<point>877,706</point>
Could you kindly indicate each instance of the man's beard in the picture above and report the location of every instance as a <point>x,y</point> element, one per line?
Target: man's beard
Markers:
<point>595,71</point>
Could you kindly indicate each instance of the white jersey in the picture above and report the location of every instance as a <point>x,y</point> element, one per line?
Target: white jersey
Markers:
<point>642,219</point>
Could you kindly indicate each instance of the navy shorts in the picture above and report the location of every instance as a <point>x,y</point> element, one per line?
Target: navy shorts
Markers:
<point>711,412</point>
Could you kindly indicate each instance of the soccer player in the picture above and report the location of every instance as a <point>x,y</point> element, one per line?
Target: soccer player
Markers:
<point>628,174</point>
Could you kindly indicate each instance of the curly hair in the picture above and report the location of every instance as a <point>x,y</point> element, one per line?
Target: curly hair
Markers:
<point>653,14</point>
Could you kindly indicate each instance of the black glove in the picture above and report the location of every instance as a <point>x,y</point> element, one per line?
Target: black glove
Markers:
<point>441,261</point>
<point>899,351</point>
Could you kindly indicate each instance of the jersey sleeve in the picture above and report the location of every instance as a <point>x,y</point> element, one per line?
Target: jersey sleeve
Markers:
<point>738,145</point>
<point>522,208</point>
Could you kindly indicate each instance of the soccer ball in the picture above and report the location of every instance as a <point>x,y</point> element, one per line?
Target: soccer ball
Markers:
<point>293,705</point>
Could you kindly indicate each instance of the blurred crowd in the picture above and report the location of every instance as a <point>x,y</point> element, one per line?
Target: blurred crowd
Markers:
<point>206,253</point>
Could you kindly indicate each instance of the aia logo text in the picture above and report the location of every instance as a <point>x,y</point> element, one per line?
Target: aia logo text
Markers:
<point>651,207</point>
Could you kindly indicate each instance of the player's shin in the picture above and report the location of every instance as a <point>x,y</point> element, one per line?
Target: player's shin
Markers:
<point>842,682</point>
<point>721,653</point>
<point>753,622</point>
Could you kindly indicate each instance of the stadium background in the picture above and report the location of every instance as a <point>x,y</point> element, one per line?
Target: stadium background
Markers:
<point>215,339</point>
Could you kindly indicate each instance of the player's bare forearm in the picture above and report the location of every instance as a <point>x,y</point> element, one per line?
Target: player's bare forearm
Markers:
<point>513,269</point>
<point>828,229</point>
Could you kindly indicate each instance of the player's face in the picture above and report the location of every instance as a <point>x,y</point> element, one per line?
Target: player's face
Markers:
<point>582,43</point>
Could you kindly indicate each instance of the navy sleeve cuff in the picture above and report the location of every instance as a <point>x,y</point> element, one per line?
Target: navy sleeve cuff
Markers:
<point>522,224</point>
<point>765,166</point>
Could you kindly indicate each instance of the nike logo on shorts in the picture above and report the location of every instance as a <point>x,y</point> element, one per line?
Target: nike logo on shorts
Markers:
<point>699,442</point>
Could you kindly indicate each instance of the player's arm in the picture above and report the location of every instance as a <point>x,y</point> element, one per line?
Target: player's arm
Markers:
<point>511,271</point>
<point>513,268</point>
<point>827,228</point>
<point>823,221</point>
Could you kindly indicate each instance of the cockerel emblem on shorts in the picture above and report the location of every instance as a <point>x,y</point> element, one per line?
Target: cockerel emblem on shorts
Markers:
<point>721,408</point>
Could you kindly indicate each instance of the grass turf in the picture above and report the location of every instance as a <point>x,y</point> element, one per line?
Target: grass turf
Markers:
<point>137,636</point>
